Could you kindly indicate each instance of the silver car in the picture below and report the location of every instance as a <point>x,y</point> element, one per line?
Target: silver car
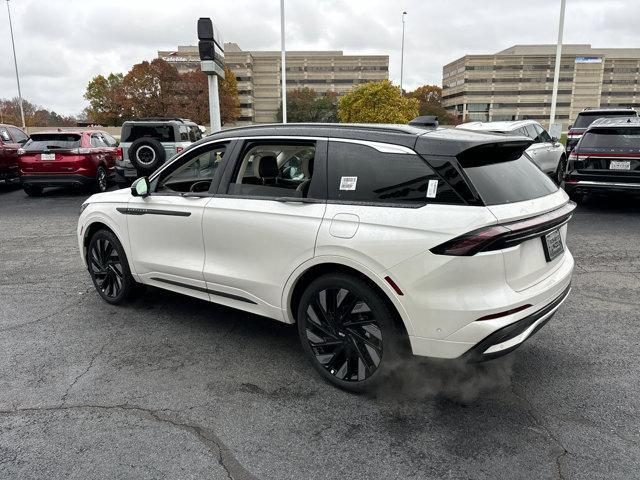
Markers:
<point>545,151</point>
<point>148,142</point>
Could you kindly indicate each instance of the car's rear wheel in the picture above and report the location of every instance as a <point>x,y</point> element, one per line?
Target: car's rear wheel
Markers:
<point>109,268</point>
<point>101,182</point>
<point>348,332</point>
<point>560,171</point>
<point>32,190</point>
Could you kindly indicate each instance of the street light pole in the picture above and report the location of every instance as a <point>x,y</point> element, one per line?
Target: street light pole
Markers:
<point>283,73</point>
<point>556,75</point>
<point>15,62</point>
<point>402,53</point>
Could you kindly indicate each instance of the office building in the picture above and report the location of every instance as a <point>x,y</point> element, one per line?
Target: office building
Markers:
<point>517,83</point>
<point>258,74</point>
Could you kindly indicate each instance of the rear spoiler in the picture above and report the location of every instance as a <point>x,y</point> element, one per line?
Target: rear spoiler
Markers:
<point>489,153</point>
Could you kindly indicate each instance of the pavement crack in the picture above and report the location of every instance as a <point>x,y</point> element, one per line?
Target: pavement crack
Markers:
<point>233,469</point>
<point>86,370</point>
<point>529,409</point>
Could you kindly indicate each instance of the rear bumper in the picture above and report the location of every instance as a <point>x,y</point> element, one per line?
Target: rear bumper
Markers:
<point>126,173</point>
<point>587,186</point>
<point>56,180</point>
<point>510,337</point>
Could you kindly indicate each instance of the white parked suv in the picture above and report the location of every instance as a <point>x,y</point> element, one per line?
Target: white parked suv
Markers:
<point>377,240</point>
<point>545,151</point>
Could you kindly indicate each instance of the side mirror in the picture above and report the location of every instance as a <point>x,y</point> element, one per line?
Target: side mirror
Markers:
<point>554,140</point>
<point>570,126</point>
<point>140,188</point>
<point>23,141</point>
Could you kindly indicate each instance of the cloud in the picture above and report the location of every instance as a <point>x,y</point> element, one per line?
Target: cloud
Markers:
<point>62,44</point>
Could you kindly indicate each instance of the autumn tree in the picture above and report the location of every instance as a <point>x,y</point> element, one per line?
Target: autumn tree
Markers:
<point>105,99</point>
<point>377,102</point>
<point>430,98</point>
<point>144,89</point>
<point>304,105</point>
<point>34,115</point>
<point>228,95</point>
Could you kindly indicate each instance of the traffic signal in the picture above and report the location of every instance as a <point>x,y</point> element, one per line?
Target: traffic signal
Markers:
<point>210,45</point>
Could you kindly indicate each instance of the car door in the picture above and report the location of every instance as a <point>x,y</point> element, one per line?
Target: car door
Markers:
<point>550,152</point>
<point>165,227</point>
<point>537,150</point>
<point>263,222</point>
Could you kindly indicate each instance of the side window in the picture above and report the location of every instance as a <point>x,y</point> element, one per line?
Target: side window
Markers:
<point>18,135</point>
<point>196,134</point>
<point>194,174</point>
<point>4,135</point>
<point>184,133</point>
<point>274,170</point>
<point>543,136</point>
<point>109,140</point>
<point>360,173</point>
<point>532,133</point>
<point>96,141</point>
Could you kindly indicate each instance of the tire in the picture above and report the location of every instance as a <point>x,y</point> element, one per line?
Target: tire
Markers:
<point>348,358</point>
<point>560,171</point>
<point>146,155</point>
<point>101,182</point>
<point>109,269</point>
<point>577,197</point>
<point>32,190</point>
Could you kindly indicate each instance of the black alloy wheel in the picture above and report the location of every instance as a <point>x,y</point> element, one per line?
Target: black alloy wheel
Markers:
<point>101,179</point>
<point>109,269</point>
<point>347,331</point>
<point>560,171</point>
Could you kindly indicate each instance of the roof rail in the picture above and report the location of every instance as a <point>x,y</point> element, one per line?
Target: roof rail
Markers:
<point>161,119</point>
<point>608,108</point>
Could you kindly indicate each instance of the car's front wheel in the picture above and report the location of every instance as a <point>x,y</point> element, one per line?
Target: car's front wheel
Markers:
<point>109,268</point>
<point>348,332</point>
<point>560,171</point>
<point>101,183</point>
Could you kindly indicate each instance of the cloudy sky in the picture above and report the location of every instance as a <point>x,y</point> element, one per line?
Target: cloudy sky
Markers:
<point>62,44</point>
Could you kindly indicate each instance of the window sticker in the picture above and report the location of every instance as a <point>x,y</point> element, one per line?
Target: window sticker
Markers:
<point>432,188</point>
<point>348,183</point>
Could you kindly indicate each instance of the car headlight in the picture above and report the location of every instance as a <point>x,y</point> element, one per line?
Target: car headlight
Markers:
<point>83,207</point>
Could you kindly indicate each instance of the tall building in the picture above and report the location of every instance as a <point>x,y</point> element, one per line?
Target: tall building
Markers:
<point>517,83</point>
<point>258,74</point>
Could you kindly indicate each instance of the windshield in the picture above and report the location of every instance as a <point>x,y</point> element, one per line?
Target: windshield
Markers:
<point>52,141</point>
<point>586,119</point>
<point>627,139</point>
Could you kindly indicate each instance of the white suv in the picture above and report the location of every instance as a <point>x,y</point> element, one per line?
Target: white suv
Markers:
<point>375,240</point>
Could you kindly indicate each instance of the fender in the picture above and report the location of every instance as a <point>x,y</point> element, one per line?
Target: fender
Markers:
<point>116,225</point>
<point>347,262</point>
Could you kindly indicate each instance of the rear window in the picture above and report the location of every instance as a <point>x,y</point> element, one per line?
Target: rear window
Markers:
<point>52,141</point>
<point>586,119</point>
<point>162,133</point>
<point>501,177</point>
<point>627,139</point>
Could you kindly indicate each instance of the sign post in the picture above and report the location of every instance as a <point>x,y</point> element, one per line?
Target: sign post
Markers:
<point>211,49</point>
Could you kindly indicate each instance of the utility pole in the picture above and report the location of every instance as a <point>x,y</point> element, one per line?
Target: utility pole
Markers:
<point>556,76</point>
<point>15,63</point>
<point>402,53</point>
<point>283,73</point>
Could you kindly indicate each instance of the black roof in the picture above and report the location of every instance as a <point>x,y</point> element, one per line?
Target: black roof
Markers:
<point>443,141</point>
<point>160,119</point>
<point>590,110</point>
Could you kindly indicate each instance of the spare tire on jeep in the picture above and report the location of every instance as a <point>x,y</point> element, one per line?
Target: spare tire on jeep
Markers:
<point>146,154</point>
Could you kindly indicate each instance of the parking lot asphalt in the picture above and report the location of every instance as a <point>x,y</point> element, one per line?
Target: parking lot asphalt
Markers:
<point>173,387</point>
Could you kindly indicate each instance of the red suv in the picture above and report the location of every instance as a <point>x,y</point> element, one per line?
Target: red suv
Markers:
<point>70,157</point>
<point>11,139</point>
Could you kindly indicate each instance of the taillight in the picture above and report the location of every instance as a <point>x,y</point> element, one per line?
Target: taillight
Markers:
<point>119,153</point>
<point>179,149</point>
<point>498,237</point>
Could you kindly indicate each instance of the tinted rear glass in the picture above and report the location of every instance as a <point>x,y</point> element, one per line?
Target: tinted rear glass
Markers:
<point>52,141</point>
<point>162,133</point>
<point>586,119</point>
<point>612,138</point>
<point>510,181</point>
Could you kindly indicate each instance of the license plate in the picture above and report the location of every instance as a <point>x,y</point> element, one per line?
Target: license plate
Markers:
<point>47,156</point>
<point>552,244</point>
<point>619,165</point>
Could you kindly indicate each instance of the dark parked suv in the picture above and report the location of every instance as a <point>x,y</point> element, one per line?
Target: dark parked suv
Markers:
<point>588,116</point>
<point>606,159</point>
<point>11,140</point>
